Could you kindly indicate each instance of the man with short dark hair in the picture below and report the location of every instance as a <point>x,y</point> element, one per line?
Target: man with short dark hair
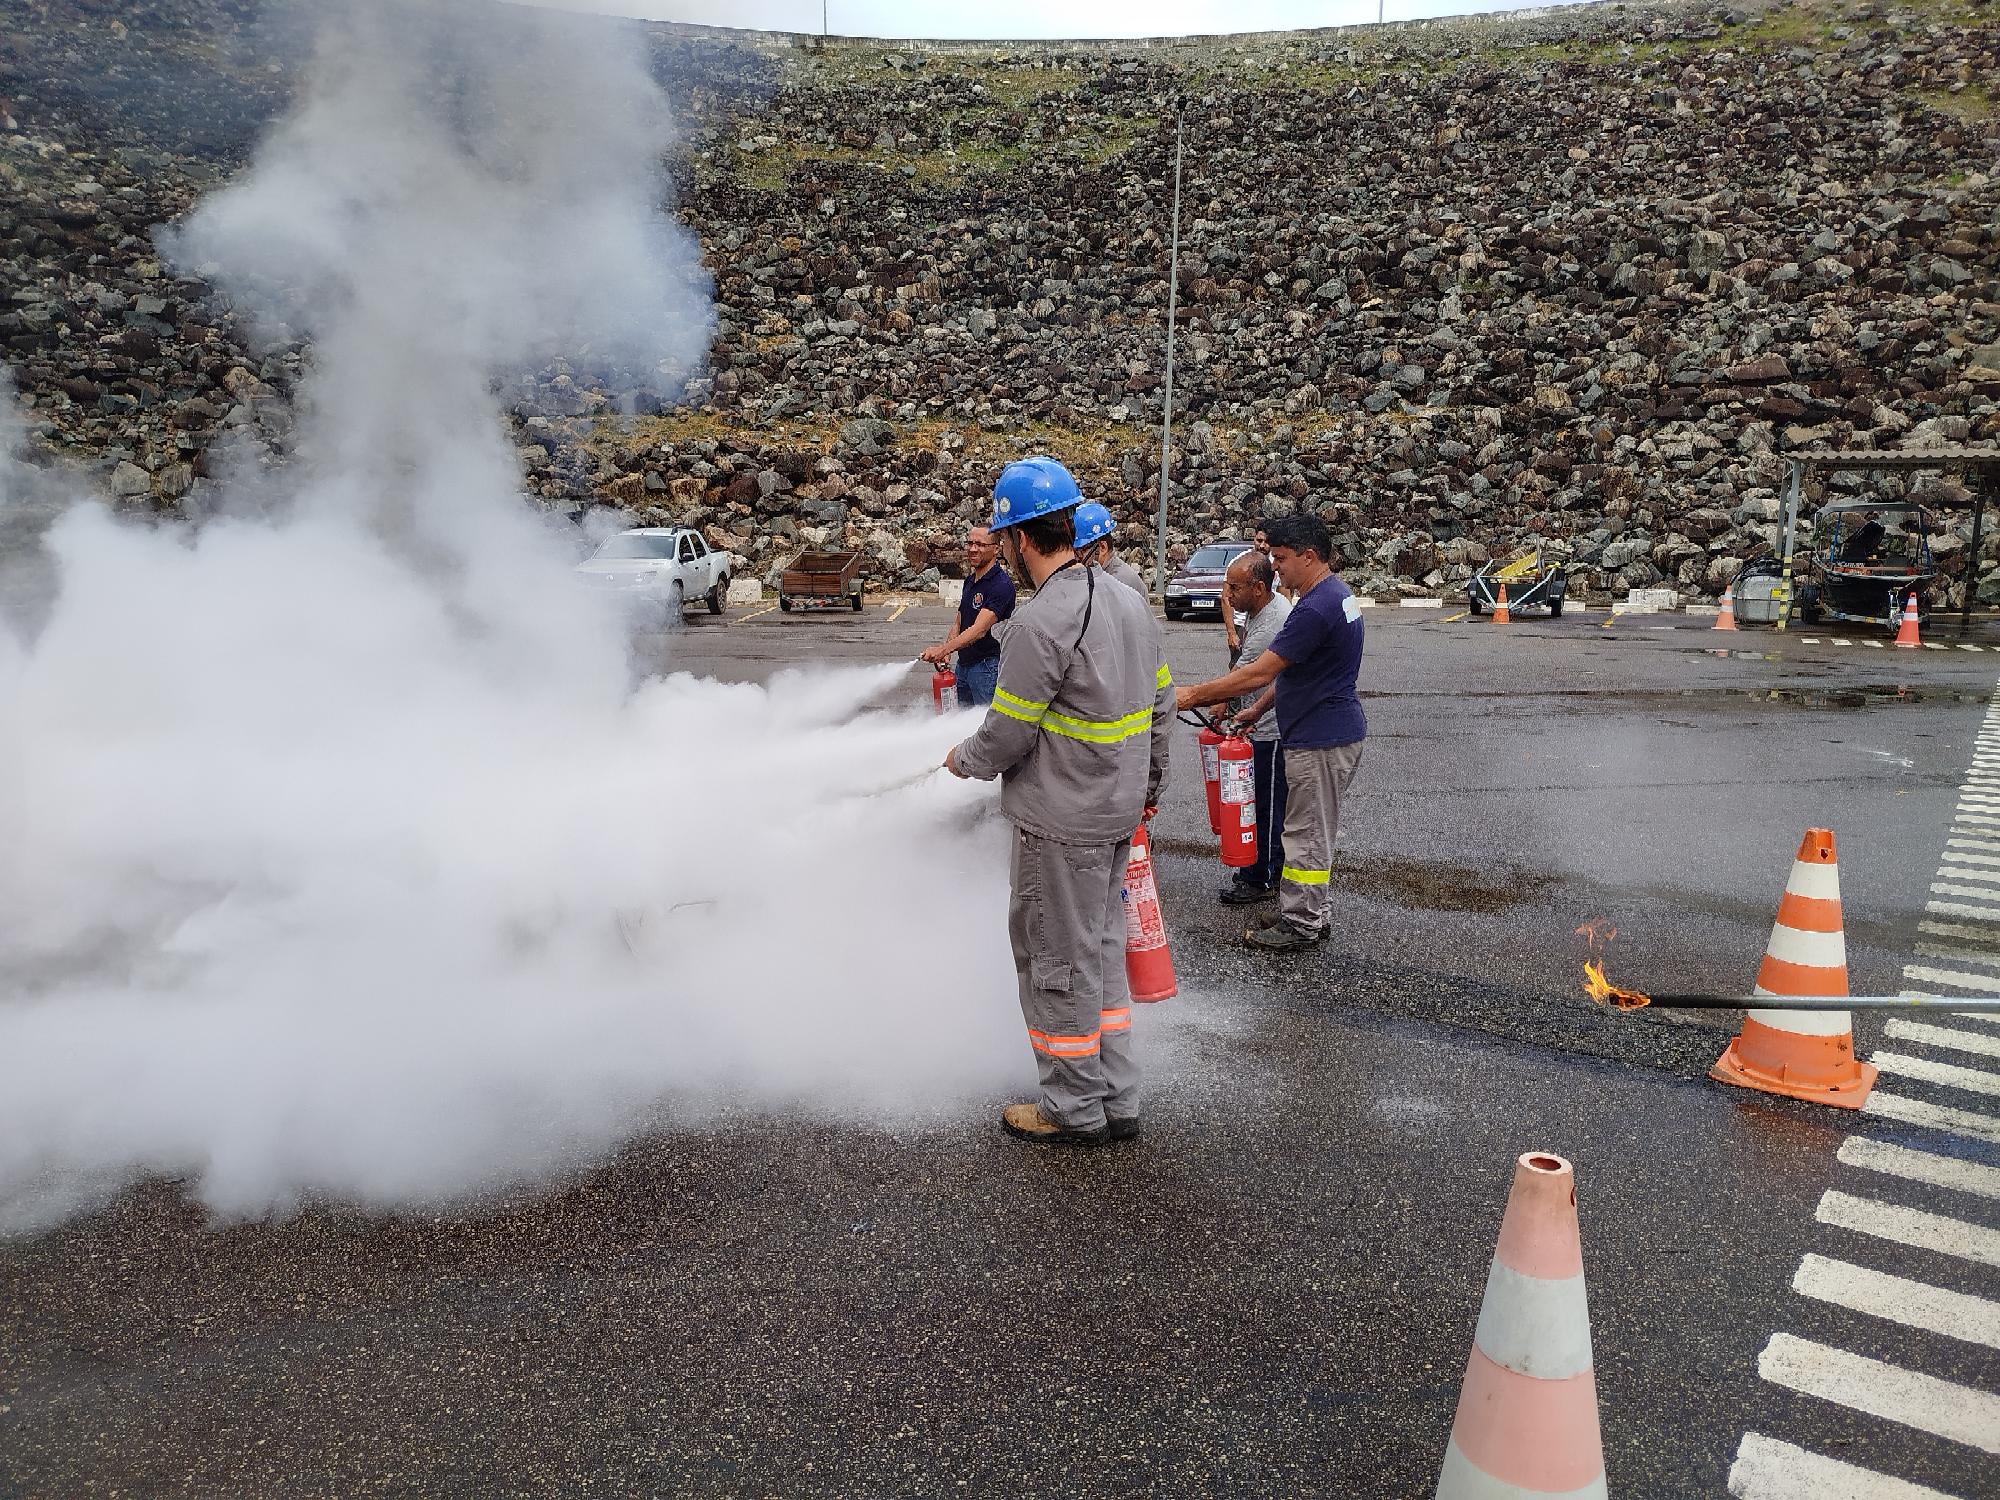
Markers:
<point>1313,664</point>
<point>986,599</point>
<point>1078,735</point>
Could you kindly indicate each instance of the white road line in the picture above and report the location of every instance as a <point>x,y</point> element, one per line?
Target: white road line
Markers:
<point>1839,642</point>
<point>1924,1402</point>
<point>1942,1036</point>
<point>1961,909</point>
<point>1966,1122</point>
<point>1766,1469</point>
<point>1915,1304</point>
<point>1964,647</point>
<point>1957,955</point>
<point>1973,843</point>
<point>1960,930</point>
<point>1910,1226</point>
<point>1958,979</point>
<point>1963,857</point>
<point>1887,1157</point>
<point>1944,887</point>
<point>1876,644</point>
<point>1975,1080</point>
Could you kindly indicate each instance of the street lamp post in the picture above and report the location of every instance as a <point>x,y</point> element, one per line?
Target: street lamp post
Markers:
<point>1173,306</point>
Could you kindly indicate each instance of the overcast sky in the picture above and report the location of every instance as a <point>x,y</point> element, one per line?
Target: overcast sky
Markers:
<point>997,19</point>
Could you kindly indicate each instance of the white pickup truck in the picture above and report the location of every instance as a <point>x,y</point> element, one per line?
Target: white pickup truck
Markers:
<point>663,568</point>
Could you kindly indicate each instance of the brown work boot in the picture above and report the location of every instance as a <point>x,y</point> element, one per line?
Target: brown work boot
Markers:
<point>1027,1122</point>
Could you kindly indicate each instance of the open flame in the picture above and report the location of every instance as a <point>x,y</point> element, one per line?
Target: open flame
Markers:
<point>1599,934</point>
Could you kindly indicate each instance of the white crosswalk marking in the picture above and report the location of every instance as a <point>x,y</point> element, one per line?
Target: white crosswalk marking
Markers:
<point>1916,1400</point>
<point>1957,955</point>
<point>1862,1289</point>
<point>1944,1036</point>
<point>1949,1172</point>
<point>1938,1117</point>
<point>1977,1080</point>
<point>1766,1469</point>
<point>1910,1226</point>
<point>1961,930</point>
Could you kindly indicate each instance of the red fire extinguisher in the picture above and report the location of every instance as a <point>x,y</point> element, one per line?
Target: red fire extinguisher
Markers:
<point>944,690</point>
<point>1149,967</point>
<point>1236,797</point>
<point>1210,741</point>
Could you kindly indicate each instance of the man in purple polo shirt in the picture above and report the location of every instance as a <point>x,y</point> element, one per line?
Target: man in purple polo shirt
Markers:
<point>1312,668</point>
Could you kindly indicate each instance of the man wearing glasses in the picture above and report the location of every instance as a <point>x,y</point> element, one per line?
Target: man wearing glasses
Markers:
<point>987,599</point>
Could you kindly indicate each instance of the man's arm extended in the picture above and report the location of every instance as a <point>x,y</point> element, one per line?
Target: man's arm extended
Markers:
<point>982,622</point>
<point>1248,678</point>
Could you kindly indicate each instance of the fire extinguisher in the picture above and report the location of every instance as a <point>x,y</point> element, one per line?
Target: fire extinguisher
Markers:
<point>1236,795</point>
<point>1210,740</point>
<point>944,690</point>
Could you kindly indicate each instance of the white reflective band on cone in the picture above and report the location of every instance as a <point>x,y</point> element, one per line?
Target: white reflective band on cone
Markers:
<point>1534,1327</point>
<point>1820,881</point>
<point>1813,950</point>
<point>1461,1480</point>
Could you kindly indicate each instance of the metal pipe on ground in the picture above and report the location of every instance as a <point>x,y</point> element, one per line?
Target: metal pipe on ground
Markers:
<point>1824,1002</point>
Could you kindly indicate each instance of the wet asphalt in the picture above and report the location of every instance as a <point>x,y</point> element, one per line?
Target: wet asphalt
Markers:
<point>1272,1293</point>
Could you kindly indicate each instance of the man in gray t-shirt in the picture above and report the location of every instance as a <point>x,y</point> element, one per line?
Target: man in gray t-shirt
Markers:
<point>1248,586</point>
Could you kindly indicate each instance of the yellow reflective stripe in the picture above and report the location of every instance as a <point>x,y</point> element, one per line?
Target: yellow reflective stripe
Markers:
<point>1163,678</point>
<point>1014,707</point>
<point>1100,731</point>
<point>1304,877</point>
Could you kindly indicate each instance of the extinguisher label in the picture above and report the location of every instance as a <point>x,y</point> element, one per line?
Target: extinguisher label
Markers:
<point>1144,928</point>
<point>1239,782</point>
<point>1209,760</point>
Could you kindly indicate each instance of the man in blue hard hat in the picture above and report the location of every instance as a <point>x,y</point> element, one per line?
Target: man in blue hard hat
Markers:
<point>1077,734</point>
<point>1093,545</point>
<point>986,599</point>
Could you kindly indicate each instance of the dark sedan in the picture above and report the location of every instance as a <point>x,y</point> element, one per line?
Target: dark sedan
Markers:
<point>1197,587</point>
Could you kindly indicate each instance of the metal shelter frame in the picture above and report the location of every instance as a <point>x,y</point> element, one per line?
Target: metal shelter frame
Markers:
<point>1979,466</point>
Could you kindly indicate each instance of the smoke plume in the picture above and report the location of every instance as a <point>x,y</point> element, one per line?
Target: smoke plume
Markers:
<point>339,856</point>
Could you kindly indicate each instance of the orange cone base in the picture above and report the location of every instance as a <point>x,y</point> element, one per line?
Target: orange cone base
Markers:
<point>1817,1069</point>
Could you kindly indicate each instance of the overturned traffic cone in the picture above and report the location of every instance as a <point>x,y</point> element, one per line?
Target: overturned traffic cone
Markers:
<point>1907,635</point>
<point>1500,615</point>
<point>1149,967</point>
<point>1802,1054</point>
<point>1527,1413</point>
<point>1725,618</point>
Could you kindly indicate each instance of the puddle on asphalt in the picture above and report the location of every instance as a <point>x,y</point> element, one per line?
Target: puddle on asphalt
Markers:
<point>1866,696</point>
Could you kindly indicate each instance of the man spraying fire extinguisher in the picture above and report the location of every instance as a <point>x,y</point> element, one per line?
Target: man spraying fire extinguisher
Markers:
<point>1078,735</point>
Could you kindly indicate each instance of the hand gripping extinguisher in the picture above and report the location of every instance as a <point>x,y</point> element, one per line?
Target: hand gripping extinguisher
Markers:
<point>1149,967</point>
<point>1236,798</point>
<point>944,690</point>
<point>1210,740</point>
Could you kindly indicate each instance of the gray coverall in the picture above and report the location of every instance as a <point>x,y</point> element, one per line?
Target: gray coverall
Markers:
<point>1126,574</point>
<point>1078,735</point>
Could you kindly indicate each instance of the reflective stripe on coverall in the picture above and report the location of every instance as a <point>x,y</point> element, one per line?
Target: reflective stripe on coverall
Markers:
<point>1315,781</point>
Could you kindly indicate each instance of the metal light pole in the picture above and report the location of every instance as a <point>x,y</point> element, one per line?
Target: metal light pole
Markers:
<point>1173,307</point>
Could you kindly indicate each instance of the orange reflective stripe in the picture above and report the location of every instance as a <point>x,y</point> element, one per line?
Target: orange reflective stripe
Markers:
<point>1115,1020</point>
<point>1064,1046</point>
<point>1781,978</point>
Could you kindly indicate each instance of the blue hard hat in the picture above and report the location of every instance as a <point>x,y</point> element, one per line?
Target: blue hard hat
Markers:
<point>1030,488</point>
<point>1093,522</point>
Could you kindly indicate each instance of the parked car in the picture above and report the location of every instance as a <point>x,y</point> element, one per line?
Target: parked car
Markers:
<point>660,568</point>
<point>1198,585</point>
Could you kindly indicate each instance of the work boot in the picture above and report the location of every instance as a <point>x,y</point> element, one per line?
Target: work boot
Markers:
<point>1243,893</point>
<point>1027,1122</point>
<point>1122,1130</point>
<point>1282,937</point>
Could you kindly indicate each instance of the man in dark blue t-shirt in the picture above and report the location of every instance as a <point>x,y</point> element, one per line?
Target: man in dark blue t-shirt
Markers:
<point>986,600</point>
<point>1312,668</point>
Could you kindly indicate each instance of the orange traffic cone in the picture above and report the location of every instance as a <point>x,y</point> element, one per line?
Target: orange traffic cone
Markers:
<point>1725,618</point>
<point>1500,615</point>
<point>1527,1413</point>
<point>1149,967</point>
<point>1907,636</point>
<point>1802,1054</point>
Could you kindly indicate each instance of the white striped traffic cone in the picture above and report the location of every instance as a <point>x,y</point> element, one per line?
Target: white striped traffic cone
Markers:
<point>1527,1413</point>
<point>1802,1054</point>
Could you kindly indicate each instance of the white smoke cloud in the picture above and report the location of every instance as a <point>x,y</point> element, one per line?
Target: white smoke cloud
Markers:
<point>339,856</point>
